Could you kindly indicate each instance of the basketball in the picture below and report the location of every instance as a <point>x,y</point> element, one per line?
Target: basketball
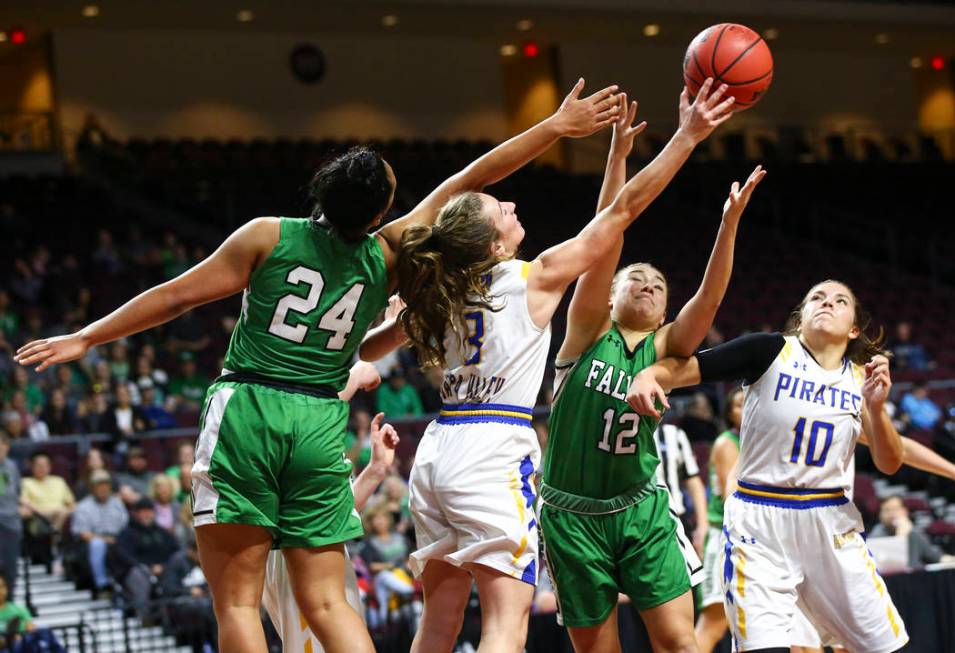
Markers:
<point>731,54</point>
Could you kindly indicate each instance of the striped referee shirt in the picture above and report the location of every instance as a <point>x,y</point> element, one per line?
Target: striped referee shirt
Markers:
<point>677,463</point>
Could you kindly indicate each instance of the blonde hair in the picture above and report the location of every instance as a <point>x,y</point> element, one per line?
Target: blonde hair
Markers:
<point>441,274</point>
<point>154,484</point>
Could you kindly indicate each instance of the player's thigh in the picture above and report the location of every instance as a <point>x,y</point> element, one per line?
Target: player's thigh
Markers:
<point>317,507</point>
<point>581,560</point>
<point>505,600</point>
<point>656,562</point>
<point>233,560</point>
<point>602,638</point>
<point>670,624</point>
<point>848,598</point>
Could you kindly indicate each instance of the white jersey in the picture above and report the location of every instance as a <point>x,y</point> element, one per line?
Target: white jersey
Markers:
<point>501,359</point>
<point>801,423</point>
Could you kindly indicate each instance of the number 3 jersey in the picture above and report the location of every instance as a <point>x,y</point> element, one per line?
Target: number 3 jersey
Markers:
<point>597,446</point>
<point>308,306</point>
<point>800,421</point>
<point>497,356</point>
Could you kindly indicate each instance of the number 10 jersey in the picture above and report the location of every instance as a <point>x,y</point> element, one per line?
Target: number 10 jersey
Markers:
<point>801,422</point>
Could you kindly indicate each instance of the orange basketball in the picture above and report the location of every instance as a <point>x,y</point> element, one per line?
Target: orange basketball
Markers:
<point>734,55</point>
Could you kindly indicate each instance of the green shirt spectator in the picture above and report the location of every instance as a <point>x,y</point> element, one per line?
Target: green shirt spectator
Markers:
<point>189,385</point>
<point>10,611</point>
<point>397,398</point>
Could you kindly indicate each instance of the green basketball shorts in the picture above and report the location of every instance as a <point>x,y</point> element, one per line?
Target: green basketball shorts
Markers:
<point>274,458</point>
<point>639,550</point>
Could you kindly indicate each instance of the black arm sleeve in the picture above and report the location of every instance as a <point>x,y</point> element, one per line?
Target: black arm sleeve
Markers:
<point>744,358</point>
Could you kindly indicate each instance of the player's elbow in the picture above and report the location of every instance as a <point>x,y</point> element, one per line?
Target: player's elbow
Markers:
<point>889,462</point>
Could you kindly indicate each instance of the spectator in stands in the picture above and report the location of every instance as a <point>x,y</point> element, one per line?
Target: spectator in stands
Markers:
<point>184,530</point>
<point>13,425</point>
<point>145,371</point>
<point>385,552</point>
<point>185,484</point>
<point>699,422</point>
<point>142,550</point>
<point>102,379</point>
<point>20,382</point>
<point>11,525</point>
<point>154,413</point>
<point>191,610</point>
<point>395,496</point>
<point>25,284</point>
<point>185,455</point>
<point>187,334</point>
<point>58,415</point>
<point>358,438</point>
<point>93,462</point>
<point>162,491</point>
<point>71,383</point>
<point>47,503</point>
<point>35,427</point>
<point>9,320</point>
<point>6,356</point>
<point>678,467</point>
<point>921,411</point>
<point>398,398</point>
<point>119,361</point>
<point>894,521</point>
<point>908,355</point>
<point>106,256</point>
<point>134,482</point>
<point>93,415</point>
<point>98,520</point>
<point>189,388</point>
<point>127,419</point>
<point>10,611</point>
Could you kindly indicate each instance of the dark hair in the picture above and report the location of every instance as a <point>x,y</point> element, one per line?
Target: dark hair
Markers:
<point>351,190</point>
<point>441,272</point>
<point>38,454</point>
<point>859,350</point>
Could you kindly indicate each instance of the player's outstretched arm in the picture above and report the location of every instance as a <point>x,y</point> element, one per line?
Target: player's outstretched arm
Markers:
<point>589,314</point>
<point>224,273</point>
<point>917,455</point>
<point>884,441</point>
<point>387,336</point>
<point>384,439</point>
<point>553,270</point>
<point>577,117</point>
<point>682,336</point>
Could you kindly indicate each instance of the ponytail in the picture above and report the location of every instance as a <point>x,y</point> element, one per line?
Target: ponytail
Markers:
<point>441,273</point>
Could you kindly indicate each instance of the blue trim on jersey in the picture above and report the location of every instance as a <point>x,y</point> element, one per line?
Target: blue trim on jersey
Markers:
<point>795,504</point>
<point>527,468</point>
<point>530,573</point>
<point>512,409</point>
<point>483,413</point>
<point>796,491</point>
<point>483,419</point>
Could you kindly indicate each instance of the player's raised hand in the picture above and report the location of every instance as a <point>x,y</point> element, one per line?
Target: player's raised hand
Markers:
<point>878,382</point>
<point>699,118</point>
<point>50,351</point>
<point>365,375</point>
<point>739,197</point>
<point>384,440</point>
<point>395,305</point>
<point>643,394</point>
<point>578,117</point>
<point>624,131</point>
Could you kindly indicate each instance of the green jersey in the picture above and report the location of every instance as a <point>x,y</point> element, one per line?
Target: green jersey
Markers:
<point>714,509</point>
<point>308,306</point>
<point>598,446</point>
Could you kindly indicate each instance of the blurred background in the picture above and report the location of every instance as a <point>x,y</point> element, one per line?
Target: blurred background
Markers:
<point>136,135</point>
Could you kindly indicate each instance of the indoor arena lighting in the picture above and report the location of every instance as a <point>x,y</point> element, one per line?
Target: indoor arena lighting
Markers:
<point>882,39</point>
<point>916,62</point>
<point>245,16</point>
<point>938,63</point>
<point>3,37</point>
<point>525,25</point>
<point>531,49</point>
<point>389,21</point>
<point>508,50</point>
<point>90,11</point>
<point>18,36</point>
<point>651,30</point>
<point>770,33</point>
